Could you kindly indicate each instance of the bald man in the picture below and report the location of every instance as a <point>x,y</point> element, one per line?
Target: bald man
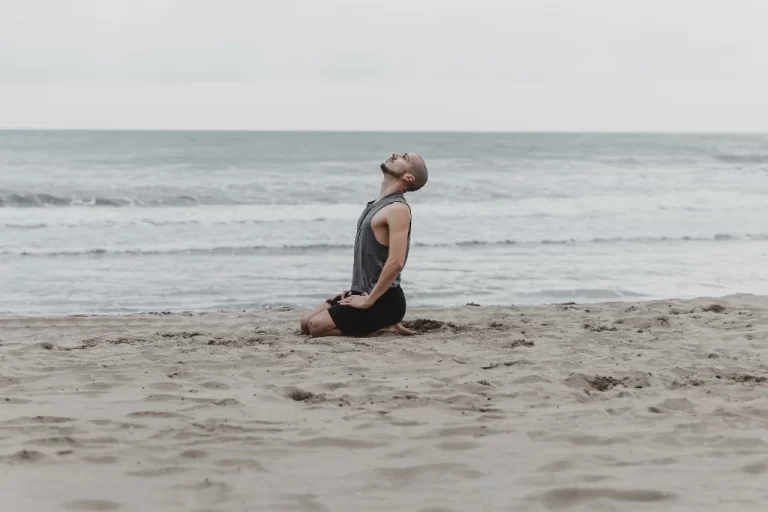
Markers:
<point>375,301</point>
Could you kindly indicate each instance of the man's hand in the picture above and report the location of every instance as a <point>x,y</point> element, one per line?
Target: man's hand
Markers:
<point>339,296</point>
<point>357,301</point>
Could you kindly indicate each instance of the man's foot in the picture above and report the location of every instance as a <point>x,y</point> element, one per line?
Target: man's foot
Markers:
<point>397,329</point>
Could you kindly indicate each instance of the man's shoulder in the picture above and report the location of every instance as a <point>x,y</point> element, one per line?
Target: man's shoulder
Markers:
<point>395,212</point>
<point>397,208</point>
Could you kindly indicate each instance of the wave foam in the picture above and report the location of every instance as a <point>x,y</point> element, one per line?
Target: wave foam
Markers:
<point>254,249</point>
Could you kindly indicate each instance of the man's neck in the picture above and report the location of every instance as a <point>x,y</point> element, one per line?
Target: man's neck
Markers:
<point>389,187</point>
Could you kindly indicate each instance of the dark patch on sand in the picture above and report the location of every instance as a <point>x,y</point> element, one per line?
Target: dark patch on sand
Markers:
<point>51,419</point>
<point>603,382</point>
<point>518,343</point>
<point>747,378</point>
<point>183,334</point>
<point>598,328</point>
<point>95,505</point>
<point>518,362</point>
<point>127,340</point>
<point>25,456</point>
<point>241,342</point>
<point>300,395</point>
<point>425,325</point>
<point>714,308</point>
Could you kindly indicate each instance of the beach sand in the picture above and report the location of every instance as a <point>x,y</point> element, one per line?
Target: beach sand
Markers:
<point>658,405</point>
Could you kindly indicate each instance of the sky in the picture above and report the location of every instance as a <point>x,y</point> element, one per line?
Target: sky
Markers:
<point>412,65</point>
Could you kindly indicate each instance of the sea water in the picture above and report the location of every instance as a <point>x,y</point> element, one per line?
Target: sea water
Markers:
<point>115,222</point>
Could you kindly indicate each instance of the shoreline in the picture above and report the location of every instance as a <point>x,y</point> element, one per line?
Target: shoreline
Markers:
<point>627,405</point>
<point>411,309</point>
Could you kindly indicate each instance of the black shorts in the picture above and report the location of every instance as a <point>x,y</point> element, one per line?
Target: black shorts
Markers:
<point>387,311</point>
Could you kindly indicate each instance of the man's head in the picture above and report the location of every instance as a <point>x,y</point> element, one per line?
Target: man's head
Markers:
<point>408,168</point>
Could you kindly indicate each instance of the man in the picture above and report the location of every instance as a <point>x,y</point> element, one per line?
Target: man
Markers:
<point>375,300</point>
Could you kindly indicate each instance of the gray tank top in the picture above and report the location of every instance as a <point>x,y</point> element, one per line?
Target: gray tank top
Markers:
<point>370,255</point>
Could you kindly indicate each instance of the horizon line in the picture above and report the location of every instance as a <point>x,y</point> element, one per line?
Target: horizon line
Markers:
<point>375,131</point>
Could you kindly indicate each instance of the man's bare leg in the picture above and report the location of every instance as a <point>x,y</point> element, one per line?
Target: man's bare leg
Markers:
<point>319,309</point>
<point>306,318</point>
<point>322,330</point>
<point>322,324</point>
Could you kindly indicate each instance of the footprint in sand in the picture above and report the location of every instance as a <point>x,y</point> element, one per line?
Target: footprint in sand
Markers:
<point>155,414</point>
<point>170,470</point>
<point>25,457</point>
<point>206,485</point>
<point>164,386</point>
<point>250,464</point>
<point>755,469</point>
<point>194,454</point>
<point>216,401</point>
<point>6,382</point>
<point>301,502</point>
<point>51,419</point>
<point>103,459</point>
<point>457,445</point>
<point>557,466</point>
<point>568,497</point>
<point>418,475</point>
<point>162,398</point>
<point>17,401</point>
<point>45,420</point>
<point>42,345</point>
<point>100,386</point>
<point>55,441</point>
<point>336,442</point>
<point>590,440</point>
<point>214,385</point>
<point>96,505</point>
<point>117,425</point>
<point>474,431</point>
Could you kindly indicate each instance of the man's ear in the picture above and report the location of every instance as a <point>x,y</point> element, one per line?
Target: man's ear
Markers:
<point>409,178</point>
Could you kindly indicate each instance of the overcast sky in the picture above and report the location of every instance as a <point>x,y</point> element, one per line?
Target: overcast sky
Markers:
<point>531,65</point>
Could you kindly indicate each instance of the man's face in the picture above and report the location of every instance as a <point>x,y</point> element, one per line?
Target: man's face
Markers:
<point>396,165</point>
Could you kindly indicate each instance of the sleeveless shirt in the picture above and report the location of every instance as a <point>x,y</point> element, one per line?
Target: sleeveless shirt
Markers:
<point>370,255</point>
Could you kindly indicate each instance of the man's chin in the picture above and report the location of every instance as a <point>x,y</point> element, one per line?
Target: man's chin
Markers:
<point>384,167</point>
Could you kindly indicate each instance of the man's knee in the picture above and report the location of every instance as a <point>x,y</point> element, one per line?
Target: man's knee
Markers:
<point>304,324</point>
<point>315,326</point>
<point>320,325</point>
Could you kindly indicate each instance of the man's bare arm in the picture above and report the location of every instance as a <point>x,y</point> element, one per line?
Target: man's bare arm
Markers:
<point>399,222</point>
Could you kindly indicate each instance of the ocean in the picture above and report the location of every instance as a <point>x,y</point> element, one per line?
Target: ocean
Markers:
<point>117,222</point>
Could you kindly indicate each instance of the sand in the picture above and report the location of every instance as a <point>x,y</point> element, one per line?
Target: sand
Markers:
<point>604,407</point>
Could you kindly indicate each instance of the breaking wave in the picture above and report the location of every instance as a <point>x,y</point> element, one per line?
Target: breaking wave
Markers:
<point>266,249</point>
<point>36,200</point>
